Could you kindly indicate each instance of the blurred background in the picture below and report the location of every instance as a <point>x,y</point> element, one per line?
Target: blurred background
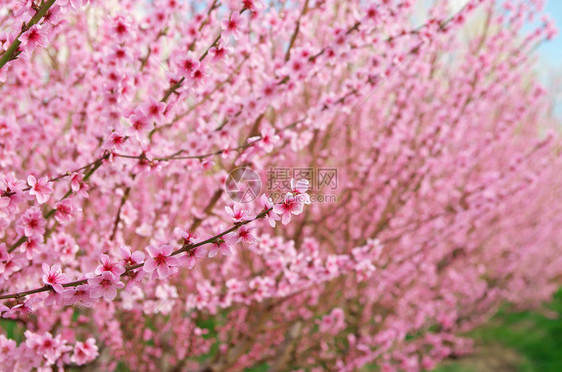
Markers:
<point>524,341</point>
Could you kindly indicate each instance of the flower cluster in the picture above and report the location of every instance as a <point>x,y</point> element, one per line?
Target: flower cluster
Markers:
<point>122,121</point>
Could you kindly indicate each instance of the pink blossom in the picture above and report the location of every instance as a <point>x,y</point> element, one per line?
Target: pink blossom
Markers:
<point>140,125</point>
<point>8,348</point>
<point>194,255</point>
<point>188,63</point>
<point>187,236</point>
<point>84,352</point>
<point>268,139</point>
<point>199,75</point>
<point>237,213</point>
<point>243,234</point>
<point>22,309</point>
<point>221,244</point>
<point>53,16</point>
<point>122,29</point>
<point>131,259</point>
<point>105,285</point>
<point>4,202</point>
<point>50,347</point>
<point>65,211</point>
<point>53,299</point>
<point>79,295</point>
<point>290,206</point>
<point>154,110</point>
<point>32,223</point>
<point>333,322</point>
<point>34,38</point>
<point>12,187</point>
<point>299,189</point>
<point>253,5</point>
<point>40,188</point>
<point>54,277</point>
<point>4,255</point>
<point>108,265</point>
<point>220,52</point>
<point>9,263</point>
<point>232,25</point>
<point>269,216</point>
<point>135,279</point>
<point>116,141</point>
<point>76,182</point>
<point>76,4</point>
<point>160,260</point>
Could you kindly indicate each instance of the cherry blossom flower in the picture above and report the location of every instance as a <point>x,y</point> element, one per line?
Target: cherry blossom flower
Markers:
<point>154,110</point>
<point>140,126</point>
<point>187,236</point>
<point>237,213</point>
<point>65,211</point>
<point>22,309</point>
<point>243,234</point>
<point>76,182</point>
<point>232,25</point>
<point>135,279</point>
<point>333,322</point>
<point>105,286</point>
<point>297,67</point>
<point>195,254</point>
<point>53,16</point>
<point>131,259</point>
<point>53,299</point>
<point>160,260</point>
<point>31,223</point>
<point>40,188</point>
<point>270,216</point>
<point>220,52</point>
<point>10,263</point>
<point>253,5</point>
<point>50,347</point>
<point>299,189</point>
<point>268,92</point>
<point>84,352</point>
<point>122,29</point>
<point>54,277</point>
<point>79,295</point>
<point>188,63</point>
<point>108,265</point>
<point>221,245</point>
<point>76,4</point>
<point>33,38</point>
<point>199,74</point>
<point>12,187</point>
<point>290,206</point>
<point>4,255</point>
<point>4,202</point>
<point>116,141</point>
<point>268,139</point>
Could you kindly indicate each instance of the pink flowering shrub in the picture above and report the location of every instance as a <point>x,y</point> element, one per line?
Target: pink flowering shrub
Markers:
<point>122,123</point>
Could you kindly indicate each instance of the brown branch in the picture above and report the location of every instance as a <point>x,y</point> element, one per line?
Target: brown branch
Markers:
<point>184,248</point>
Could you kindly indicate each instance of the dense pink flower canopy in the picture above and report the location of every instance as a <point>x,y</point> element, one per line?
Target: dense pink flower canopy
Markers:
<point>432,195</point>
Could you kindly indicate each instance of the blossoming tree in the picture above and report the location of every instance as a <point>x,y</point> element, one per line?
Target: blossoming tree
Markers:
<point>123,121</point>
